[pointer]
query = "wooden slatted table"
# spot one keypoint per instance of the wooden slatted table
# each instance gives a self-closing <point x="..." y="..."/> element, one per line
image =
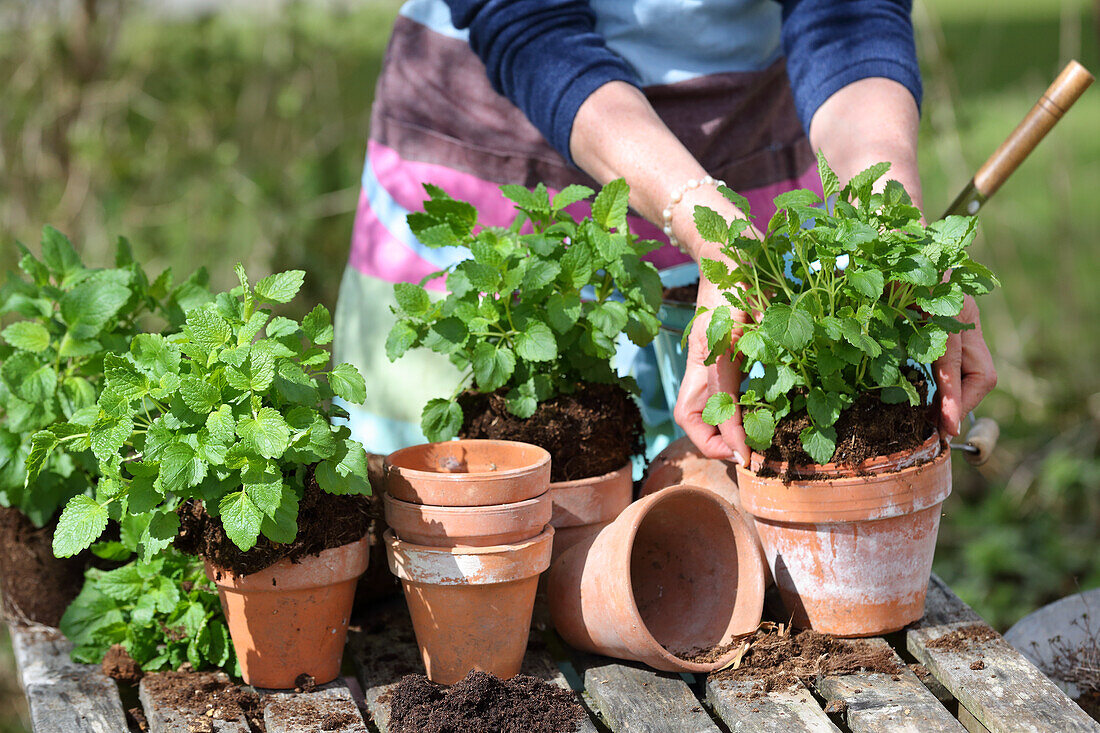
<point x="1003" y="693"/>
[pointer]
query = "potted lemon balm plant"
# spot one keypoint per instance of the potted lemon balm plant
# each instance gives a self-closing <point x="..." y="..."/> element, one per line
<point x="848" y="471"/>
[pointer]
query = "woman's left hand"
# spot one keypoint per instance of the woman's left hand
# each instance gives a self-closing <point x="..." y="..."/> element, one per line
<point x="965" y="373"/>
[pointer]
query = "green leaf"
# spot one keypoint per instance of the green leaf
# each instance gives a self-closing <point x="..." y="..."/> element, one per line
<point x="563" y="310"/>
<point x="720" y="407"/>
<point x="267" y="432"/>
<point x="207" y="329"/>
<point x="916" y="269"/>
<point x="854" y="335"/>
<point x="441" y="419"/>
<point x="610" y="317"/>
<point x="87" y="307"/>
<point x="736" y="199"/>
<point x="570" y="195"/>
<point x="38" y="386"/>
<point x="317" y="325"/>
<point x="42" y="443"/>
<point x="241" y="519"/>
<point x="282" y="525"/>
<point x="411" y="298"/>
<point x="81" y="523"/>
<point x="610" y="205"/>
<point x="109" y="434"/>
<point x="28" y="336"/>
<point x="539" y="274"/>
<point x="927" y="344"/>
<point x="829" y="182"/>
<point x="752" y="345"/>
<point x="280" y="287"/>
<point x="860" y="184"/>
<point x="819" y="442"/>
<point x="824" y="407"/>
<point x="711" y="225"/>
<point x="867" y="282"/>
<point x="221" y="424"/>
<point x="198" y="394"/>
<point x="759" y="427"/>
<point x="946" y="299"/>
<point x="536" y="342"/>
<point x="346" y="472"/>
<point x="400" y="339"/>
<point x="180" y="467"/>
<point x="154" y="354"/>
<point x="537" y="200"/>
<point x="58" y="252"/>
<point x="348" y="383"/>
<point x="493" y="366"/>
<point x="787" y="326"/>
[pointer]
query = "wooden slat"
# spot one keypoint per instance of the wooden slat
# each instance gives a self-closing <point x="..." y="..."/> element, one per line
<point x="386" y="651"/>
<point x="1008" y="694"/>
<point x="639" y="700"/>
<point x="63" y="695"/>
<point x="164" y="717"/>
<point x="882" y="703"/>
<point x="328" y="708"/>
<point x="745" y="709"/>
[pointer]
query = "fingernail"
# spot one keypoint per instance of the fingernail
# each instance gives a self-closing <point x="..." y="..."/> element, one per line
<point x="738" y="459"/>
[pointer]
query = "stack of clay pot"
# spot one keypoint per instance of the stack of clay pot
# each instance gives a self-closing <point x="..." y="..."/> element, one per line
<point x="469" y="536"/>
<point x="583" y="507"/>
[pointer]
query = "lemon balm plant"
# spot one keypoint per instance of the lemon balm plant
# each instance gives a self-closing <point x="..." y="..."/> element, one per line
<point x="849" y="293"/>
<point x="531" y="313"/>
<point x="233" y="411"/>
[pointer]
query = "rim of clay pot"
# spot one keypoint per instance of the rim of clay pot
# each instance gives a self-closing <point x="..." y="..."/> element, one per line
<point x="926" y="451"/>
<point x="424" y="474"/>
<point x="468" y="565"/>
<point x="328" y="567"/>
<point x="754" y="574"/>
<point x="586" y="501"/>
<point x="467" y="524"/>
<point x="878" y="495"/>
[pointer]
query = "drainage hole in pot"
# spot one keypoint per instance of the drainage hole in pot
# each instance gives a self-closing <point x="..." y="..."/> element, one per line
<point x="684" y="571"/>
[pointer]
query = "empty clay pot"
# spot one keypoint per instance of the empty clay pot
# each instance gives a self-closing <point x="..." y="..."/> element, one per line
<point x="682" y="463"/>
<point x="466" y="526"/>
<point x="585" y="506"/>
<point x="467" y="473"/>
<point x="470" y="606"/>
<point x="852" y="554"/>
<point x="677" y="572"/>
<point x="292" y="618"/>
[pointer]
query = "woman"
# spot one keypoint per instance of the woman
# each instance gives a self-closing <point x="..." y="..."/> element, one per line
<point x="672" y="95"/>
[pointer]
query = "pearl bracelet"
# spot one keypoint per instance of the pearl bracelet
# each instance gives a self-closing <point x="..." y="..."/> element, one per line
<point x="666" y="215"/>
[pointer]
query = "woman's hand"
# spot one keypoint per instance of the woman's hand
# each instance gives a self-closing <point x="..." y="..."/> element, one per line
<point x="965" y="373"/>
<point x="727" y="441"/>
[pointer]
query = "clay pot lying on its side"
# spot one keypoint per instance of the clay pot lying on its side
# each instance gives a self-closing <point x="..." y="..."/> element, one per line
<point x="468" y="526"/>
<point x="852" y="553"/>
<point x="682" y="463"/>
<point x="467" y="473"/>
<point x="585" y="506"/>
<point x="292" y="618"/>
<point x="677" y="572"/>
<point x="470" y="606"/>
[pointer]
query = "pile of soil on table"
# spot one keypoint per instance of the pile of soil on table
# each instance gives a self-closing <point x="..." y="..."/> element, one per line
<point x="964" y="639"/>
<point x="593" y="431"/>
<point x="683" y="293"/>
<point x="325" y="521"/>
<point x="37" y="587"/>
<point x="119" y="665"/>
<point x="867" y="429"/>
<point x="482" y="702"/>
<point x="777" y="658"/>
<point x="205" y="697"/>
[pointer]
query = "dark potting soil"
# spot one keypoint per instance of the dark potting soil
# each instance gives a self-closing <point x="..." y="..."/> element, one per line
<point x="482" y="702"/>
<point x="37" y="587"/>
<point x="119" y="665"/>
<point x="325" y="521"/>
<point x="205" y="696"/>
<point x="590" y="432"/>
<point x="867" y="429"/>
<point x="1090" y="703"/>
<point x="683" y="293"/>
<point x="708" y="655"/>
<point x="964" y="639"/>
<point x="777" y="658"/>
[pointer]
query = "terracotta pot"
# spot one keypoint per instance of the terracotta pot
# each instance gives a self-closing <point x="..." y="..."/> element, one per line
<point x="467" y="473"/>
<point x="682" y="463"/>
<point x="585" y="506"/>
<point x="462" y="526"/>
<point x="292" y="617"/>
<point x="676" y="572"/>
<point x="852" y="554"/>
<point x="470" y="606"/>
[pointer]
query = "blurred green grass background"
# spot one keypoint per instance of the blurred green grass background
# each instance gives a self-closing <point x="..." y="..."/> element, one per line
<point x="213" y="138"/>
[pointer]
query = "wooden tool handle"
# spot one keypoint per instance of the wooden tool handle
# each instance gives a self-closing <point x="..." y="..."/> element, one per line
<point x="1061" y="95"/>
<point x="982" y="436"/>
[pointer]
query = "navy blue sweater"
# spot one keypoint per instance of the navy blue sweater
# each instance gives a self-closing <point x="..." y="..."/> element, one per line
<point x="546" y="56"/>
